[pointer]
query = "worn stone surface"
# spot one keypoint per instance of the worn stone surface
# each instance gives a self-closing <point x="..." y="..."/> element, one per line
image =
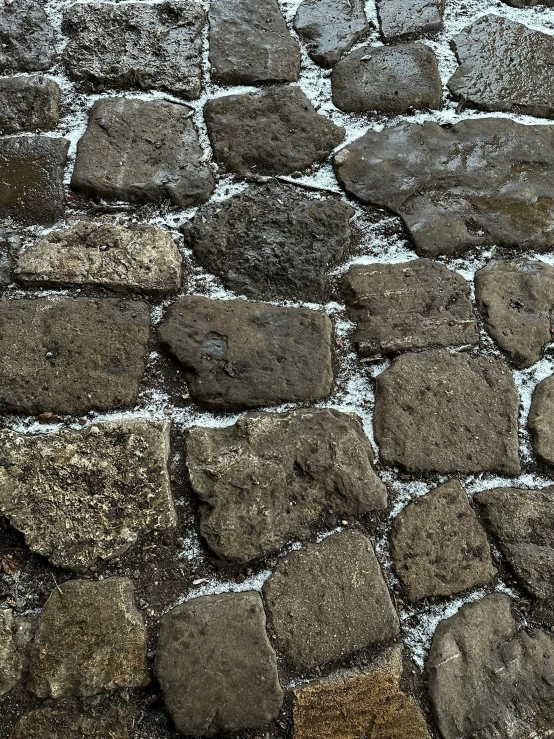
<point x="529" y="3"/>
<point x="388" y="79"/>
<point x="264" y="480"/>
<point x="408" y="305"/>
<point x="318" y="623"/>
<point x="401" y="20"/>
<point x="31" y="179"/>
<point x="274" y="131"/>
<point x="16" y="634"/>
<point x="65" y="719"/>
<point x="482" y="182"/>
<point x="488" y="681"/>
<point x="142" y="151"/>
<point x="270" y="243"/>
<point x="215" y="664"/>
<point x="10" y="244"/>
<point x="330" y="28"/>
<point x="250" y="43"/>
<point x="27" y="40"/>
<point x="239" y="355"/>
<point x="437" y="546"/>
<point x="516" y="299"/>
<point x="541" y="420"/>
<point x="468" y="406"/>
<point x="504" y="65"/>
<point x="71" y="355"/>
<point x="28" y="104"/>
<point x="142" y="259"/>
<point x="90" y="638"/>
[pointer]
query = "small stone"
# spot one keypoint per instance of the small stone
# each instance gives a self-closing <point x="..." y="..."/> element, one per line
<point x="90" y="638"/>
<point x="400" y="20"/>
<point x="328" y="600"/>
<point x="27" y="40"/>
<point x="468" y="406"/>
<point x="215" y="664"/>
<point x="28" y="104"/>
<point x="142" y="151"/>
<point x="330" y="28"/>
<point x="47" y="418"/>
<point x="541" y="420"/>
<point x="387" y="79"/>
<point x="64" y="719"/>
<point x="274" y="131"/>
<point x="10" y="244"/>
<point x="16" y="634"/>
<point x="238" y="355"/>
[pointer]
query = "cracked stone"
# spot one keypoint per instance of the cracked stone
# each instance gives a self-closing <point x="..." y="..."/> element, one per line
<point x="70" y="721"/>
<point x="16" y="634"/>
<point x="28" y="104"/>
<point x="541" y="420"/>
<point x="27" y="40"/>
<point x="330" y="28"/>
<point x="400" y="20"/>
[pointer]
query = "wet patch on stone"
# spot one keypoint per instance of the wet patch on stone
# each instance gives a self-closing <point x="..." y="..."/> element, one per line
<point x="27" y="40"/>
<point x="330" y="28"/>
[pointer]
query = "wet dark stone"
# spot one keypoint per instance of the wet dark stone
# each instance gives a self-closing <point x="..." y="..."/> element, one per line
<point x="27" y="40"/>
<point x="70" y="721"/>
<point x="28" y="104"/>
<point x="330" y="28"/>
<point x="401" y="20"/>
<point x="10" y="245"/>
<point x="529" y="3"/>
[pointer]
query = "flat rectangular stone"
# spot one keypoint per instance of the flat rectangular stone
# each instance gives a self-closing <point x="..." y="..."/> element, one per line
<point x="28" y="104"/>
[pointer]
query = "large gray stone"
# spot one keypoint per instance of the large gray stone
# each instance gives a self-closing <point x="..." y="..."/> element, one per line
<point x="401" y="20"/>
<point x="16" y="633"/>
<point x="28" y="104"/>
<point x="65" y="720"/>
<point x="541" y="420"/>
<point x="27" y="40"/>
<point x="330" y="27"/>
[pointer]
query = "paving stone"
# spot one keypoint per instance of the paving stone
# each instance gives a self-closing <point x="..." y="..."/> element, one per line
<point x="437" y="546"/>
<point x="215" y="664"/>
<point x="486" y="680"/>
<point x="136" y="46"/>
<point x="10" y="244"/>
<point x="239" y="355"/>
<point x="265" y="480"/>
<point x="86" y="495"/>
<point x="16" y="634"/>
<point x="521" y="521"/>
<point x="408" y="305"/>
<point x="274" y="131"/>
<point x="64" y="719"/>
<point x="330" y="28"/>
<point x="468" y="406"/>
<point x="27" y="40"/>
<point x="541" y="420"/>
<point x="250" y="43"/>
<point x="529" y="3"/>
<point x="142" y="151"/>
<point x="28" y="104"/>
<point x="270" y="243"/>
<point x="328" y="600"/>
<point x="481" y="182"/>
<point x="142" y="259"/>
<point x="31" y="179"/>
<point x="71" y="355"/>
<point x="504" y="65"/>
<point x="388" y="79"/>
<point x="401" y="20"/>
<point x="516" y="299"/>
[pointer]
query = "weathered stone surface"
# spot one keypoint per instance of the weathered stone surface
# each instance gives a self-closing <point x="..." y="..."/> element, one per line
<point x="516" y="300"/>
<point x="486" y="681"/>
<point x="86" y="495"/>
<point x="28" y="104"/>
<point x="330" y="27"/>
<point x="31" y="179"/>
<point x="468" y="407"/>
<point x="250" y="43"/>
<point x="90" y="638"/>
<point x="215" y="664"/>
<point x="541" y="420"/>
<point x="64" y="719"/>
<point x="482" y="182"/>
<point x="10" y="244"/>
<point x="408" y="305"/>
<point x="142" y="151"/>
<point x="136" y="45"/>
<point x="329" y="599"/>
<point x="529" y="3"/>
<point x="15" y="639"/>
<point x="270" y="243"/>
<point x="388" y="79"/>
<point x="437" y="546"/>
<point x="239" y="355"/>
<point x="264" y="480"/>
<point x="400" y="19"/>
<point x="26" y="37"/>
<point x="141" y="258"/>
<point x="504" y="65"/>
<point x="274" y="131"/>
<point x="69" y="355"/>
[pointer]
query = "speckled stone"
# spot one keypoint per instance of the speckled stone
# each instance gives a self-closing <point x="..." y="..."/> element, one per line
<point x="28" y="104"/>
<point x="403" y="19"/>
<point x="330" y="28"/>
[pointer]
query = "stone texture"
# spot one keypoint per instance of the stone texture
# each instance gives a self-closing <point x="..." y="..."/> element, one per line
<point x="10" y="244"/>
<point x="400" y="19"/>
<point x="142" y="151"/>
<point x="16" y="634"/>
<point x="71" y="355"/>
<point x="90" y="638"/>
<point x="136" y="46"/>
<point x="541" y="420"/>
<point x="274" y="131"/>
<point x="270" y="243"/>
<point x="408" y="305"/>
<point x="529" y="3"/>
<point x="330" y="27"/>
<point x="486" y="681"/>
<point x="504" y="65"/>
<point x="64" y="720"/>
<point x="31" y="179"/>
<point x="250" y="43"/>
<point x="142" y="259"/>
<point x="516" y="299"/>
<point x="437" y="546"/>
<point x="28" y="104"/>
<point x="264" y="480"/>
<point x="26" y="37"/>
<point x="467" y="405"/>
<point x="215" y="664"/>
<point x="481" y="182"/>
<point x="328" y="600"/>
<point x="86" y="495"/>
<point x="387" y="79"/>
<point x="239" y="355"/>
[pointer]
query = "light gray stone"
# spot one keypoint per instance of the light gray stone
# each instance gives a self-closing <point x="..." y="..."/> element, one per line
<point x="400" y="19"/>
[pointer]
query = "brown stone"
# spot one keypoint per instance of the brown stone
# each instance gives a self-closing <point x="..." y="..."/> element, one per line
<point x="541" y="420"/>
<point x="66" y="720"/>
